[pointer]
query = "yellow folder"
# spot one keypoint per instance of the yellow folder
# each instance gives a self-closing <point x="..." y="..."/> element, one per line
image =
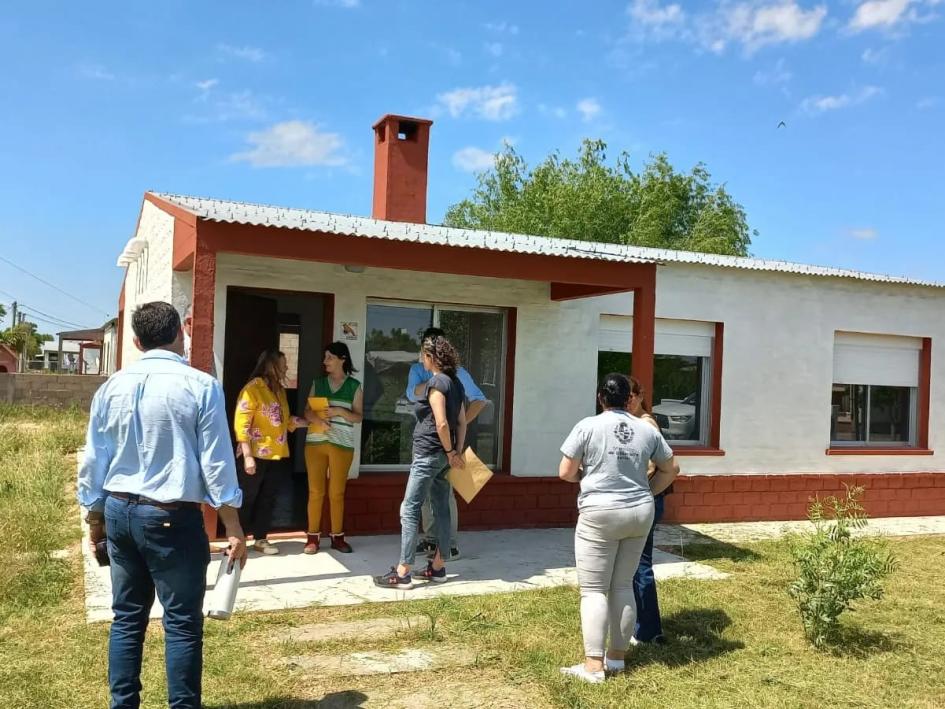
<point x="318" y="404"/>
<point x="469" y="480"/>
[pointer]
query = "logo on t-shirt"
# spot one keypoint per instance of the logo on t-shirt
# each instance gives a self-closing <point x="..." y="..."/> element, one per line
<point x="623" y="432"/>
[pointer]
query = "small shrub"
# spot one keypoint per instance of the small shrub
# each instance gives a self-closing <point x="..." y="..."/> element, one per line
<point x="836" y="568"/>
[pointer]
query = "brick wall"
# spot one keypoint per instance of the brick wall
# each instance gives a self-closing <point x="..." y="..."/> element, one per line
<point x="49" y="389"/>
<point x="372" y="504"/>
<point x="373" y="501"/>
<point x="739" y="498"/>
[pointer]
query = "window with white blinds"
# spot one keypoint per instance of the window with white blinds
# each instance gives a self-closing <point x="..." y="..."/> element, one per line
<point x="875" y="390"/>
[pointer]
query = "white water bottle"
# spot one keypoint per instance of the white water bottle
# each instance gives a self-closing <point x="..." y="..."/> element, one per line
<point x="224" y="591"/>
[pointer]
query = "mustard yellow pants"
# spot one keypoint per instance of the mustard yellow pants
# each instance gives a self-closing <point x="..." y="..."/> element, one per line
<point x="327" y="466"/>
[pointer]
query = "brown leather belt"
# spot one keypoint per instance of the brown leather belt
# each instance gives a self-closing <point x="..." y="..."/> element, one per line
<point x="141" y="500"/>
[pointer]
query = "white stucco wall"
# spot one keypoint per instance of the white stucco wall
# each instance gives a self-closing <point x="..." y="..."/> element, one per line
<point x="777" y="370"/>
<point x="778" y="360"/>
<point x="151" y="276"/>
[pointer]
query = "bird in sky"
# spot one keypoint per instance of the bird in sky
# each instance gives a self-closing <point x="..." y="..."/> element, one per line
<point x="782" y="124"/>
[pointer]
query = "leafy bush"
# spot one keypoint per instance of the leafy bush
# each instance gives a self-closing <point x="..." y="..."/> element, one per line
<point x="835" y="567"/>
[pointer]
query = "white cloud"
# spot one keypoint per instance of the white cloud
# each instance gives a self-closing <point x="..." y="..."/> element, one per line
<point x="755" y="26"/>
<point x="492" y="103"/>
<point x="814" y="105"/>
<point x="293" y="144"/>
<point x="878" y="13"/>
<point x="589" y="108"/>
<point x="651" y="13"/>
<point x="346" y="4"/>
<point x="866" y="234"/>
<point x="472" y="159"/>
<point x="95" y="72"/>
<point x="207" y="84"/>
<point x="777" y="76"/>
<point x="247" y="53"/>
<point x="502" y="27"/>
<point x="556" y="111"/>
<point x="494" y="49"/>
<point x="752" y="24"/>
<point x="891" y="15"/>
<point x="875" y="56"/>
<point x="927" y="102"/>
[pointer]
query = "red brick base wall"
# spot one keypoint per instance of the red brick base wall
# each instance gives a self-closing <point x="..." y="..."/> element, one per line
<point x="741" y="498"/>
<point x="372" y="502"/>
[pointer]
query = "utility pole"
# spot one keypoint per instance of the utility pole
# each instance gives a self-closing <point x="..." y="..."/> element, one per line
<point x="13" y="319"/>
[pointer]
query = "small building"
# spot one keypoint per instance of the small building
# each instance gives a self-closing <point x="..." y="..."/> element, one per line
<point x="48" y="358"/>
<point x="772" y="381"/>
<point x="9" y="359"/>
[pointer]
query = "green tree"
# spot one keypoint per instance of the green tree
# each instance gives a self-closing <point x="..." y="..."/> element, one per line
<point x="588" y="199"/>
<point x="24" y="338"/>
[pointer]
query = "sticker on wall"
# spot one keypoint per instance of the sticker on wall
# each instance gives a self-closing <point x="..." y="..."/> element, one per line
<point x="349" y="331"/>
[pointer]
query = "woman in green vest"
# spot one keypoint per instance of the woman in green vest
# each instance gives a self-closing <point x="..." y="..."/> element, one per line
<point x="329" y="452"/>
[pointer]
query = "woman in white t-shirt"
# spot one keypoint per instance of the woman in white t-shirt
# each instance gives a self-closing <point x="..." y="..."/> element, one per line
<point x="608" y="455"/>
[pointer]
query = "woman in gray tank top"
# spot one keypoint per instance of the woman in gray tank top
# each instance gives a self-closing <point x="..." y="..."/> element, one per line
<point x="608" y="456"/>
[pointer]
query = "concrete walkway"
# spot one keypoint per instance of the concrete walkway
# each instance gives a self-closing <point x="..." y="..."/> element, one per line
<point x="493" y="562"/>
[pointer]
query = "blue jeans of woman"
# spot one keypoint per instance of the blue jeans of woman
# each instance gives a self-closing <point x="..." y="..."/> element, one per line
<point x="648" y="624"/>
<point x="167" y="552"/>
<point x="427" y="477"/>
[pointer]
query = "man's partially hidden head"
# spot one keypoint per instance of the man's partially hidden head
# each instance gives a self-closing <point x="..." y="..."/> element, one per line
<point x="157" y="326"/>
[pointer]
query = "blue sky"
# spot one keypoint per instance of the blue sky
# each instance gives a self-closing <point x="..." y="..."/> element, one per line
<point x="274" y="102"/>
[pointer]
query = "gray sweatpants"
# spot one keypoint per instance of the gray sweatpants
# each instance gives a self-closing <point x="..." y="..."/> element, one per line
<point x="607" y="548"/>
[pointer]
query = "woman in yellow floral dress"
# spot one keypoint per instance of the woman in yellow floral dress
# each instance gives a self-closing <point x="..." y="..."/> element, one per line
<point x="262" y="423"/>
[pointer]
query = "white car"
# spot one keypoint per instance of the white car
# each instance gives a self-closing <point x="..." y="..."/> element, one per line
<point x="677" y="418"/>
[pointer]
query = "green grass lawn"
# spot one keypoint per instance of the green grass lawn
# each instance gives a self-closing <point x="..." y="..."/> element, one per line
<point x="734" y="643"/>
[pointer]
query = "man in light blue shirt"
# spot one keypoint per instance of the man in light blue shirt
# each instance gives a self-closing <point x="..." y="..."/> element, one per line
<point x="158" y="447"/>
<point x="475" y="402"/>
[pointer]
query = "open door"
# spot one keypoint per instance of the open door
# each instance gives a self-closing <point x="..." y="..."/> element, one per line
<point x="252" y="325"/>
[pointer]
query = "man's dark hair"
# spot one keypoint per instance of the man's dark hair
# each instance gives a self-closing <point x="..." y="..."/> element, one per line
<point x="431" y="333"/>
<point x="155" y="324"/>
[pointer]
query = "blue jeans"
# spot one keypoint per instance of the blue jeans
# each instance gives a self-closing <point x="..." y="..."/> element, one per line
<point x="427" y="477"/>
<point x="644" y="587"/>
<point x="164" y="551"/>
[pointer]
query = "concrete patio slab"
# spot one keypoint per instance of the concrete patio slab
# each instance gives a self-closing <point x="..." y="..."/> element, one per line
<point x="493" y="562"/>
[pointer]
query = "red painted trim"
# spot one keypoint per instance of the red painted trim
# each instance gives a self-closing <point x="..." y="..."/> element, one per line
<point x="273" y="242"/>
<point x="715" y="429"/>
<point x="644" y="332"/>
<point x="694" y="451"/>
<point x="871" y="450"/>
<point x="573" y="291"/>
<point x="185" y="245"/>
<point x="925" y="391"/>
<point x="184" y="215"/>
<point x="511" y="327"/>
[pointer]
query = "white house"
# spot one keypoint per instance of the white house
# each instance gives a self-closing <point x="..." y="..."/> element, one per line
<point x="773" y="381"/>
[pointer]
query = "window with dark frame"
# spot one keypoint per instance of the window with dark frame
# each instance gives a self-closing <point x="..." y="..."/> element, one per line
<point x="392" y="346"/>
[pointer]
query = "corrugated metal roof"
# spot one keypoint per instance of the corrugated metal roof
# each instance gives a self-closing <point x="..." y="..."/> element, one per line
<point x="342" y="224"/>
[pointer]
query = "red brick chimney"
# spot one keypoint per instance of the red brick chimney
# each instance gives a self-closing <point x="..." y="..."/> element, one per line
<point x="401" y="147"/>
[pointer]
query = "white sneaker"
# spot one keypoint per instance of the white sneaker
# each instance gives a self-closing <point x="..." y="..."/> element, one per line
<point x="263" y="546"/>
<point x="581" y="673"/>
<point x="614" y="665"/>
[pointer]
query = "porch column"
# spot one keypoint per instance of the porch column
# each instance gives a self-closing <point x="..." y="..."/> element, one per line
<point x="202" y="302"/>
<point x="201" y="342"/>
<point x="644" y="326"/>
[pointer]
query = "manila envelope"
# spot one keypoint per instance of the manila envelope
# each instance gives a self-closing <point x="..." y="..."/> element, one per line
<point x="472" y="478"/>
<point x="317" y="404"/>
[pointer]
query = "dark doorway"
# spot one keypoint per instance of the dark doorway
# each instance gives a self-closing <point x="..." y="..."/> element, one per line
<point x="299" y="325"/>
